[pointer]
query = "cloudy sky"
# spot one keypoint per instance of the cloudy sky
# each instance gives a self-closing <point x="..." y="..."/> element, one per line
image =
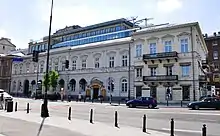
<point x="22" y="20"/>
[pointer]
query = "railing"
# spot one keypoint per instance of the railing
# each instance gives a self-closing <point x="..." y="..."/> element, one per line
<point x="160" y="78"/>
<point x="160" y="55"/>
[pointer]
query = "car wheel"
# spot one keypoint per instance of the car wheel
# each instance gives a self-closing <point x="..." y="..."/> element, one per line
<point x="131" y="106"/>
<point x="150" y="106"/>
<point x="196" y="107"/>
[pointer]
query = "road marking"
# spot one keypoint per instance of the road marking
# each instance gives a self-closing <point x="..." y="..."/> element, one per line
<point x="193" y="113"/>
<point x="183" y="130"/>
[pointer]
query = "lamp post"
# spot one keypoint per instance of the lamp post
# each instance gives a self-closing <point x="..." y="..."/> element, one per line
<point x="44" y="107"/>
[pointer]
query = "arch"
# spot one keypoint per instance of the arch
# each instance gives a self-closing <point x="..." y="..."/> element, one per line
<point x="72" y="84"/>
<point x="26" y="87"/>
<point x="82" y="84"/>
<point x="61" y="83"/>
<point x="124" y="85"/>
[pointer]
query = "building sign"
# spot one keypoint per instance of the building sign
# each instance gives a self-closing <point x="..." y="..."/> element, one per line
<point x="160" y="78"/>
<point x="17" y="59"/>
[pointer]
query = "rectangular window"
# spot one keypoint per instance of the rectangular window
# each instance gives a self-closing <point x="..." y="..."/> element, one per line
<point x="83" y="64"/>
<point x="185" y="70"/>
<point x="63" y="66"/>
<point x="111" y="62"/>
<point x="96" y="62"/>
<point x="215" y="55"/>
<point x="153" y="48"/>
<point x="139" y="72"/>
<point x="169" y="70"/>
<point x="138" y="50"/>
<point x="74" y="65"/>
<point x="184" y="45"/>
<point x="20" y="69"/>
<point x="124" y="60"/>
<point x="214" y="43"/>
<point x="168" y="46"/>
<point x="153" y="71"/>
<point x="28" y="68"/>
<point x="41" y="68"/>
<point x="56" y="67"/>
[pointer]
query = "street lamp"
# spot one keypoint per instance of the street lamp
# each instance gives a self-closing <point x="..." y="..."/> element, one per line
<point x="44" y="107"/>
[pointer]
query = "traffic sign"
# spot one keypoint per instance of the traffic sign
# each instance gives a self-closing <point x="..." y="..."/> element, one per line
<point x="17" y="59"/>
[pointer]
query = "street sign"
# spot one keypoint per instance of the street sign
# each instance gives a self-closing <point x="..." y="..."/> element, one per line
<point x="17" y="59"/>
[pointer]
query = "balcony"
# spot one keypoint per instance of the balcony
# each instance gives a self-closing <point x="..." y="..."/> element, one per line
<point x="161" y="78"/>
<point x="163" y="55"/>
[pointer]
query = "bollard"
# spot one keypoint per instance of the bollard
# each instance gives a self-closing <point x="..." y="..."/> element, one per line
<point x="101" y="100"/>
<point x="91" y="115"/>
<point x="172" y="127"/>
<point x="204" y="130"/>
<point x="92" y="100"/>
<point x="27" y="107"/>
<point x="16" y="106"/>
<point x="167" y="103"/>
<point x="69" y="116"/>
<point x="116" y="119"/>
<point x="181" y="103"/>
<point x="144" y="123"/>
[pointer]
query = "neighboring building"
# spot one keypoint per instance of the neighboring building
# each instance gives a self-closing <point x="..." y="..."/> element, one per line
<point x="100" y="53"/>
<point x="168" y="62"/>
<point x="213" y="45"/>
<point x="6" y="45"/>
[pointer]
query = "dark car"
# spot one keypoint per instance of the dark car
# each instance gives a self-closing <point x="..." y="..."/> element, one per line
<point x="207" y="102"/>
<point x="142" y="101"/>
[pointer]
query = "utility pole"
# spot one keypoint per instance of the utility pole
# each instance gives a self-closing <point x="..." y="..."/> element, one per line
<point x="44" y="108"/>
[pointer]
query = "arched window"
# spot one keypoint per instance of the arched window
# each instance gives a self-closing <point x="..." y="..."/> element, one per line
<point x="124" y="85"/>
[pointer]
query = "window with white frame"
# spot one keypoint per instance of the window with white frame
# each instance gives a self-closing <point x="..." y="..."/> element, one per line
<point x="169" y="70"/>
<point x="56" y="66"/>
<point x="185" y="70"/>
<point x="138" y="50"/>
<point x="35" y="68"/>
<point x="111" y="61"/>
<point x="139" y="72"/>
<point x="83" y="63"/>
<point x="153" y="48"/>
<point x="15" y="69"/>
<point x="74" y="65"/>
<point x="63" y="66"/>
<point x="20" y="69"/>
<point x="124" y="60"/>
<point x="168" y="46"/>
<point x="42" y="68"/>
<point x="96" y="62"/>
<point x="28" y="67"/>
<point x="124" y="85"/>
<point x="153" y="71"/>
<point x="184" y="45"/>
<point x="215" y="55"/>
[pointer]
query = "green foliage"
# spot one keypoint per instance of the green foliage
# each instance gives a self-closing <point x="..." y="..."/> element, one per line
<point x="52" y="79"/>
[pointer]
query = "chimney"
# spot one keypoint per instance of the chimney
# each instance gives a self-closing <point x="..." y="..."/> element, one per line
<point x="214" y="33"/>
<point x="206" y="35"/>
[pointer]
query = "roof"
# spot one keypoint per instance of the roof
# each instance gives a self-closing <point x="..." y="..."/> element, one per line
<point x="8" y="40"/>
<point x="117" y="21"/>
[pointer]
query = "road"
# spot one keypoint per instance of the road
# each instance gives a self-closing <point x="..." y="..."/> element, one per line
<point x="187" y="122"/>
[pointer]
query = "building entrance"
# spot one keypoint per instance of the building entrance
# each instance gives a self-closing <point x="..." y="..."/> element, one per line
<point x="95" y="92"/>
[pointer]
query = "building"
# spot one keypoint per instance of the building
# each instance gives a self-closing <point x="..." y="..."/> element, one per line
<point x="5" y="63"/>
<point x="99" y="54"/>
<point x="168" y="62"/>
<point x="213" y="45"/>
<point x="6" y="45"/>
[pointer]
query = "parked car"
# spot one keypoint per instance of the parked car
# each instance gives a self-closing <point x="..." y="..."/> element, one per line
<point x="207" y="102"/>
<point x="149" y="102"/>
<point x="6" y="96"/>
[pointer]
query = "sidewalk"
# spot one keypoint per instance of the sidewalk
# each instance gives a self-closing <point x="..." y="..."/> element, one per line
<point x="82" y="127"/>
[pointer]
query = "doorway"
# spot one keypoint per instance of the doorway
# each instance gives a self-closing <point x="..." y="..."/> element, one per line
<point x="26" y="88"/>
<point x="95" y="93"/>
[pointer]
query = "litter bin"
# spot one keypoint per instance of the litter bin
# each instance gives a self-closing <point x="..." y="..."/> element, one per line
<point x="9" y="106"/>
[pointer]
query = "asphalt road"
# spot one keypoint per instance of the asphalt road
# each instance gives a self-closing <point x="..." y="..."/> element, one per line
<point x="187" y="122"/>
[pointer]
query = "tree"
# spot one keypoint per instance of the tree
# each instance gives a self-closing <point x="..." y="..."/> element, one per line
<point x="53" y="79"/>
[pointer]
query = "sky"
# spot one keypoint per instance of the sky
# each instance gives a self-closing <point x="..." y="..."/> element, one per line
<point x="23" y="20"/>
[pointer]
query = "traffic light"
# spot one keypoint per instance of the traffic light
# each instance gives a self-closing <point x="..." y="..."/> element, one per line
<point x="67" y="63"/>
<point x="112" y="86"/>
<point x="35" y="56"/>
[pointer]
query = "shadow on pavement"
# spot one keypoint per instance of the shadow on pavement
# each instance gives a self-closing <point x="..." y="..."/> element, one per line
<point x="41" y="126"/>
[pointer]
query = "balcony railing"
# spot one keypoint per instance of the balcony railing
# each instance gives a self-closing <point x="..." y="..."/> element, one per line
<point x="160" y="78"/>
<point x="160" y="55"/>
